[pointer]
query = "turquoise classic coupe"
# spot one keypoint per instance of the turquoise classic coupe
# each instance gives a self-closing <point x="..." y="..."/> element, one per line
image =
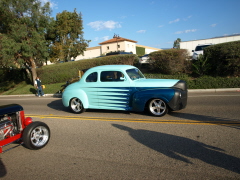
<point x="124" y="87"/>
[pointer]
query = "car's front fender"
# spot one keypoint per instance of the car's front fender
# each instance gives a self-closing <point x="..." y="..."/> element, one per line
<point x="140" y="98"/>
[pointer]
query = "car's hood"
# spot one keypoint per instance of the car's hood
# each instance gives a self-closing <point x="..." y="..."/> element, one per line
<point x="155" y="82"/>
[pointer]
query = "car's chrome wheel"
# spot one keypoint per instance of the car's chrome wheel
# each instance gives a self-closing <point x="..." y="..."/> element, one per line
<point x="157" y="107"/>
<point x="36" y="135"/>
<point x="76" y="105"/>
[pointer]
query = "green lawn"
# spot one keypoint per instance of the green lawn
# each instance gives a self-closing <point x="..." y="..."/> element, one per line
<point x="24" y="88"/>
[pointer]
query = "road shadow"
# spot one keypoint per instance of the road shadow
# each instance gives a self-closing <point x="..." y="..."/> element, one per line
<point x="57" y="105"/>
<point x="233" y="123"/>
<point x="3" y="170"/>
<point x="103" y="111"/>
<point x="181" y="148"/>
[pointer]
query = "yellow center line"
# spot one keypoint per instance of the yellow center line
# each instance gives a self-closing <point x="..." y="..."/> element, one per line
<point x="163" y="121"/>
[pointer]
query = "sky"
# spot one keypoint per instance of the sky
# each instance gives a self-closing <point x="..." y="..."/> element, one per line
<point x="153" y="23"/>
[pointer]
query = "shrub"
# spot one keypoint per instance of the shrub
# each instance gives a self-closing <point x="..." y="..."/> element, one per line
<point x="224" y="59"/>
<point x="209" y="82"/>
<point x="10" y="74"/>
<point x="203" y="82"/>
<point x="201" y="66"/>
<point x="170" y="61"/>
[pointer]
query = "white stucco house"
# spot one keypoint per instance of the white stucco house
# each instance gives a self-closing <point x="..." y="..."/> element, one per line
<point x="91" y="52"/>
<point x="115" y="44"/>
<point x="148" y="49"/>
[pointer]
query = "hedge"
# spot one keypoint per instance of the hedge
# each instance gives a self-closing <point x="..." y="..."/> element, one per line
<point x="224" y="59"/>
<point x="204" y="82"/>
<point x="170" y="61"/>
<point x="65" y="71"/>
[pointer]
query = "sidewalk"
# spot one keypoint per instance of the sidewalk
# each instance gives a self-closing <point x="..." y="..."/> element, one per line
<point x="58" y="95"/>
<point x="215" y="90"/>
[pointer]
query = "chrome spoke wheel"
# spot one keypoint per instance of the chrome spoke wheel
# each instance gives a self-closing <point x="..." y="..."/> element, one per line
<point x="157" y="107"/>
<point x="36" y="135"/>
<point x="39" y="136"/>
<point x="76" y="105"/>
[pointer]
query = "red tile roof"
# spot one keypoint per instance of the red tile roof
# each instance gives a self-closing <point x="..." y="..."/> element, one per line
<point x="118" y="39"/>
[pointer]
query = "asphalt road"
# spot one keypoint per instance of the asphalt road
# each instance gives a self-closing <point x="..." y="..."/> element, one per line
<point x="199" y="142"/>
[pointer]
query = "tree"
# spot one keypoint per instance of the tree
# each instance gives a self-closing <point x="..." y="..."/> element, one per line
<point x="140" y="51"/>
<point x="23" y="27"/>
<point x="176" y="44"/>
<point x="69" y="41"/>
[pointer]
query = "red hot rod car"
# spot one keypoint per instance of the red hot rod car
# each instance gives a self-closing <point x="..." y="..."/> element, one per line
<point x="15" y="127"/>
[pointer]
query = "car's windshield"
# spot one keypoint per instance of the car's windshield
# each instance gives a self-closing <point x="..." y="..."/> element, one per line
<point x="135" y="74"/>
<point x="199" y="48"/>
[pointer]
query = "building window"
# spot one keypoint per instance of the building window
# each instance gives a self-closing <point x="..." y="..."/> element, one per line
<point x="107" y="47"/>
<point x="118" y="46"/>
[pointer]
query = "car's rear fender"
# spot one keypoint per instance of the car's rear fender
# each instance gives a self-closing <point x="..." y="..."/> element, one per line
<point x="140" y="98"/>
<point x="70" y="94"/>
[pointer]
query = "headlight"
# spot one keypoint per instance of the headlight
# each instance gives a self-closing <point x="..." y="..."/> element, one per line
<point x="28" y="121"/>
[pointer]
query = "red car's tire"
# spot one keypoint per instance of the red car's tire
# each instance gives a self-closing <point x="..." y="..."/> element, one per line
<point x="36" y="135"/>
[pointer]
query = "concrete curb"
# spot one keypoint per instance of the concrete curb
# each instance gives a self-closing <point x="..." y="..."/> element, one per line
<point x="25" y="95"/>
<point x="58" y="95"/>
<point x="215" y="90"/>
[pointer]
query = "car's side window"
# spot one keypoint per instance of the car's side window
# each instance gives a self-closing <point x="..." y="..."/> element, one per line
<point x="92" y="77"/>
<point x="111" y="76"/>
